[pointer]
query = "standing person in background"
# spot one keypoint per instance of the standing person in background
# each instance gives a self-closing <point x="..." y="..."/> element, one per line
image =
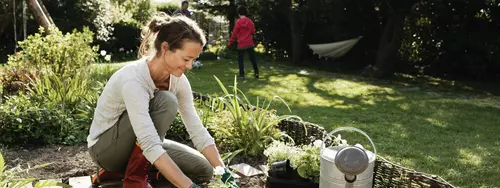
<point x="243" y="31"/>
<point x="184" y="9"/>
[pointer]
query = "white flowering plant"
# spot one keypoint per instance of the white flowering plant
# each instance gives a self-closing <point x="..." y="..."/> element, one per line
<point x="304" y="159"/>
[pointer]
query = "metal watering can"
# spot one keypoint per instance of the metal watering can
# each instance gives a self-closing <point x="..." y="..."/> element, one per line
<point x="346" y="166"/>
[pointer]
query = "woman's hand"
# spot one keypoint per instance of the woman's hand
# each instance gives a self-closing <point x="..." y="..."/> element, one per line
<point x="171" y="171"/>
<point x="228" y="179"/>
<point x="213" y="156"/>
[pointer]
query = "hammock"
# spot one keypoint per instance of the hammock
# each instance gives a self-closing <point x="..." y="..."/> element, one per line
<point x="335" y="49"/>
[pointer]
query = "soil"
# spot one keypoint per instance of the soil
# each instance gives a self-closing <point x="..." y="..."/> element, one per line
<point x="74" y="161"/>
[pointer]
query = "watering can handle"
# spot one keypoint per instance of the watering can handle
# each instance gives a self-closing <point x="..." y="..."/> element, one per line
<point x="329" y="135"/>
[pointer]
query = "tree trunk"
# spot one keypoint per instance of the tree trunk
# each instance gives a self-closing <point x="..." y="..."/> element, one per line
<point x="39" y="15"/>
<point x="390" y="41"/>
<point x="231" y="15"/>
<point x="46" y="12"/>
<point x="296" y="32"/>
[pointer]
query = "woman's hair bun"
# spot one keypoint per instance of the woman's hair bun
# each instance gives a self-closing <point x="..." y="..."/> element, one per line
<point x="158" y="21"/>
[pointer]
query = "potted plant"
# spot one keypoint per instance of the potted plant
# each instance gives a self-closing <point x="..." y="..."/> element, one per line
<point x="293" y="166"/>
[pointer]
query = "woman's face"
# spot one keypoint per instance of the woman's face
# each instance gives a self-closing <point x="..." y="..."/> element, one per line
<point x="179" y="61"/>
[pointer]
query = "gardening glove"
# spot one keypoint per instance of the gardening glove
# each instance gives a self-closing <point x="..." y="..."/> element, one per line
<point x="228" y="179"/>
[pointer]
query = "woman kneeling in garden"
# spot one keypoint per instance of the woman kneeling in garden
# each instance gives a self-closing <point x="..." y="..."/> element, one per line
<point x="139" y="103"/>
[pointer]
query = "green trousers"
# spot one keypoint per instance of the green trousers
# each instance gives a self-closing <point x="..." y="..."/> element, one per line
<point x="113" y="149"/>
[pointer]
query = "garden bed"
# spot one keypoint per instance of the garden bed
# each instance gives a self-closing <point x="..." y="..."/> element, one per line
<point x="74" y="161"/>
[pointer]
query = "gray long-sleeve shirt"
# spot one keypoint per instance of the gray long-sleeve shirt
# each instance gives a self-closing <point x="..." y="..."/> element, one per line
<point x="131" y="88"/>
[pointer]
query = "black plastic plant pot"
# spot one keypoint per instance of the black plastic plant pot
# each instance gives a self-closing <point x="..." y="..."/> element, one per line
<point x="273" y="182"/>
<point x="281" y="166"/>
<point x="282" y="174"/>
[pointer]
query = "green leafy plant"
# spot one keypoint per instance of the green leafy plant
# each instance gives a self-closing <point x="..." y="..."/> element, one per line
<point x="65" y="92"/>
<point x="26" y="119"/>
<point x="178" y="131"/>
<point x="62" y="54"/>
<point x="57" y="100"/>
<point x="304" y="159"/>
<point x="208" y="107"/>
<point x="253" y="127"/>
<point x="307" y="163"/>
<point x="216" y="181"/>
<point x="10" y="177"/>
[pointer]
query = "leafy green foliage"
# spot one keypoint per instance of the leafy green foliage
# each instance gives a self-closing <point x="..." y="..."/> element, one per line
<point x="307" y="164"/>
<point x="62" y="54"/>
<point x="168" y="8"/>
<point x="177" y="131"/>
<point x="137" y="12"/>
<point x="34" y="119"/>
<point x="76" y="14"/>
<point x="252" y="128"/>
<point x="304" y="159"/>
<point x="56" y="106"/>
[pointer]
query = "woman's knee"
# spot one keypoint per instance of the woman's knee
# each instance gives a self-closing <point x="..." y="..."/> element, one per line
<point x="204" y="173"/>
<point x="164" y="100"/>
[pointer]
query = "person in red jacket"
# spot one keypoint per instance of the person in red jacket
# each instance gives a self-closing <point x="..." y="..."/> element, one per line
<point x="243" y="33"/>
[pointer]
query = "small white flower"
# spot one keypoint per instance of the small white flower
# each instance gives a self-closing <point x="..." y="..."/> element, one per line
<point x="343" y="142"/>
<point x="103" y="53"/>
<point x="107" y="58"/>
<point x="340" y="141"/>
<point x="303" y="72"/>
<point x="121" y="49"/>
<point x="219" y="170"/>
<point x="318" y="143"/>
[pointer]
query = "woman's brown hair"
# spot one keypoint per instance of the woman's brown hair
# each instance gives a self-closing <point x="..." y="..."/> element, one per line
<point x="171" y="29"/>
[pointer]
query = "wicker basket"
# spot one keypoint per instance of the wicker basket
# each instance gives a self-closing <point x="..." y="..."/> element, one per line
<point x="389" y="174"/>
<point x="386" y="173"/>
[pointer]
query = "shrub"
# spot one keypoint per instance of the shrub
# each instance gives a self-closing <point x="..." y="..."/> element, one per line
<point x="26" y="119"/>
<point x="57" y="105"/>
<point x="168" y="8"/>
<point x="14" y="80"/>
<point x="177" y="131"/>
<point x="251" y="127"/>
<point x="62" y="54"/>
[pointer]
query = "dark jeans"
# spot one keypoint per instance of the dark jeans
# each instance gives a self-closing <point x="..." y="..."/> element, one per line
<point x="241" y="54"/>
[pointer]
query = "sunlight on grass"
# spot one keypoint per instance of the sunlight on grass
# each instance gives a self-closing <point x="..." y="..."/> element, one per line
<point x="404" y="106"/>
<point x="435" y="122"/>
<point x="469" y="157"/>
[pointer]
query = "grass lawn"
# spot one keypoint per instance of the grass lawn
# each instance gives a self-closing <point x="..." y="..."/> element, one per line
<point x="432" y="126"/>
